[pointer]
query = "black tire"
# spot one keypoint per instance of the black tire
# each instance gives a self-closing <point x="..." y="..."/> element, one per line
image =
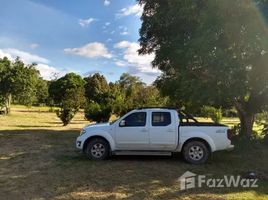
<point x="195" y="152"/>
<point x="97" y="149"/>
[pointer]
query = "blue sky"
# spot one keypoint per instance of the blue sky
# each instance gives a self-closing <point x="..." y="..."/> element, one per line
<point x="84" y="36"/>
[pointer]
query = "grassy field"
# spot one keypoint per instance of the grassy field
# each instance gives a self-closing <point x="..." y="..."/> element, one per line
<point x="38" y="160"/>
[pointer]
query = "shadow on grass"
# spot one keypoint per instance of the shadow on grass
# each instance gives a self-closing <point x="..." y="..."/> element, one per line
<point x="51" y="167"/>
<point x="34" y="111"/>
<point x="33" y="126"/>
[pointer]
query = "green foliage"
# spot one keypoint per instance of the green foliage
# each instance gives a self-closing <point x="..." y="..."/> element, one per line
<point x="98" y="112"/>
<point x="127" y="93"/>
<point x="206" y="58"/>
<point x="22" y="82"/>
<point x="95" y="86"/>
<point x="213" y="113"/>
<point x="42" y="92"/>
<point x="68" y="93"/>
<point x="71" y="92"/>
<point x="70" y="81"/>
<point x="137" y="94"/>
<point x="66" y="115"/>
<point x="262" y="119"/>
<point x="229" y="112"/>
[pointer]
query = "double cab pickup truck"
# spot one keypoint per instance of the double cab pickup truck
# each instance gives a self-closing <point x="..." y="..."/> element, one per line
<point x="155" y="131"/>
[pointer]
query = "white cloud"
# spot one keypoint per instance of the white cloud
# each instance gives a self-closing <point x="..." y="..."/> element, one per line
<point x="138" y="64"/>
<point x="120" y="63"/>
<point x="85" y="22"/>
<point x="4" y="54"/>
<point x="135" y="9"/>
<point x="107" y="2"/>
<point x="91" y="50"/>
<point x="106" y="24"/>
<point x="124" y="33"/>
<point x="25" y="56"/>
<point x="109" y="40"/>
<point x="122" y="45"/>
<point x="34" y="46"/>
<point x="49" y="72"/>
<point x="46" y="71"/>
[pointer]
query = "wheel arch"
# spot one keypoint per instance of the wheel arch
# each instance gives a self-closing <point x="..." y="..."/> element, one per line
<point x="208" y="145"/>
<point x="94" y="137"/>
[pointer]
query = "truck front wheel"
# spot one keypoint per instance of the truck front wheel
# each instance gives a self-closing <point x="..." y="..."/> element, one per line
<point x="195" y="152"/>
<point x="97" y="149"/>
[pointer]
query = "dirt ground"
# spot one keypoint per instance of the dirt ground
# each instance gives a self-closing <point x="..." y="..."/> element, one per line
<point x="38" y="160"/>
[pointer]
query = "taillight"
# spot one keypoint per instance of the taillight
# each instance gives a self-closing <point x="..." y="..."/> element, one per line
<point x="229" y="134"/>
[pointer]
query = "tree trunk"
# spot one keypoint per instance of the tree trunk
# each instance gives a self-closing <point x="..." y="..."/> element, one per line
<point x="247" y="124"/>
<point x="246" y="119"/>
<point x="8" y="103"/>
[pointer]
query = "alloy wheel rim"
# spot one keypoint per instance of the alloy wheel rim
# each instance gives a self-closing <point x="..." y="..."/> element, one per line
<point x="196" y="153"/>
<point x="97" y="150"/>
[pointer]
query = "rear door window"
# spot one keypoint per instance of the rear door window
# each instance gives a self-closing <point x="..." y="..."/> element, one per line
<point x="161" y="118"/>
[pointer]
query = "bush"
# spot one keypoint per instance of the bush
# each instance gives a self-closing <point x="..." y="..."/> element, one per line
<point x="98" y="113"/>
<point x="66" y="115"/>
<point x="229" y="112"/>
<point x="213" y="113"/>
<point x="262" y="119"/>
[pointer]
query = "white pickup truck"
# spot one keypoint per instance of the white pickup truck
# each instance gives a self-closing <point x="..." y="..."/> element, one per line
<point x="154" y="131"/>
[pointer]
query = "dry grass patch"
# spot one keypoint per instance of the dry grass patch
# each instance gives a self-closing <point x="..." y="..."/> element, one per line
<point x="39" y="161"/>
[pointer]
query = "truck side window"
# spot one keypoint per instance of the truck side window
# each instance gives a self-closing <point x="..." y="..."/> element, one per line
<point x="161" y="118"/>
<point x="136" y="119"/>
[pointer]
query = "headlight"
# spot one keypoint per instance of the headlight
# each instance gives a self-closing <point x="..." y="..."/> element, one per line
<point x="82" y="131"/>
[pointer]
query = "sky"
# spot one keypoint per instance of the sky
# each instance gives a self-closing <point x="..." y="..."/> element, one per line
<point x="81" y="36"/>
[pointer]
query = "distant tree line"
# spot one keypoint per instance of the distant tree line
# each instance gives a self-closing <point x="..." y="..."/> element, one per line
<point x="22" y="84"/>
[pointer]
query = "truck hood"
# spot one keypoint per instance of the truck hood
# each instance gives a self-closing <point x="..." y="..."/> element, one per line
<point x="98" y="126"/>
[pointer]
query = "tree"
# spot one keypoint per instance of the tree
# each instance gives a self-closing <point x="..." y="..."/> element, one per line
<point x="18" y="81"/>
<point x="137" y="94"/>
<point x="5" y="90"/>
<point x="42" y="91"/>
<point x="68" y="93"/>
<point x="129" y="85"/>
<point x="95" y="86"/>
<point x="24" y="80"/>
<point x="98" y="112"/>
<point x="211" y="53"/>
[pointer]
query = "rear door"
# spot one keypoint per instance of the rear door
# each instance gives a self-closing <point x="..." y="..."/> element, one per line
<point x="163" y="132"/>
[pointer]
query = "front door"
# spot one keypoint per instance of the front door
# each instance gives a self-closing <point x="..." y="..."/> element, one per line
<point x="132" y="132"/>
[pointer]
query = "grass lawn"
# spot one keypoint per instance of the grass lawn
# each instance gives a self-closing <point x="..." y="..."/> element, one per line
<point x="38" y="160"/>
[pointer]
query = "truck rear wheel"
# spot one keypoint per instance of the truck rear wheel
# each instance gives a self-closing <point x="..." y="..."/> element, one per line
<point x="97" y="149"/>
<point x="195" y="152"/>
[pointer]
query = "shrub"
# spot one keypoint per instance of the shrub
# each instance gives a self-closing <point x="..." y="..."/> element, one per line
<point x="98" y="113"/>
<point x="213" y="113"/>
<point x="66" y="115"/>
<point x="262" y="119"/>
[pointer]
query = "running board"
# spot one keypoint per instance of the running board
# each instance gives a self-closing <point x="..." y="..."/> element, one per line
<point x="143" y="153"/>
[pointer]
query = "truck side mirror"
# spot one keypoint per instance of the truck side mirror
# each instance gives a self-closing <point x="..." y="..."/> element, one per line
<point x="122" y="123"/>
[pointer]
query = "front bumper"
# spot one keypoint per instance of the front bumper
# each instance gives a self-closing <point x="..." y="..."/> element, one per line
<point x="79" y="143"/>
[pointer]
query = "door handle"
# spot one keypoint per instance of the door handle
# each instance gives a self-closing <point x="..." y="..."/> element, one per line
<point x="144" y="130"/>
<point x="170" y="130"/>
